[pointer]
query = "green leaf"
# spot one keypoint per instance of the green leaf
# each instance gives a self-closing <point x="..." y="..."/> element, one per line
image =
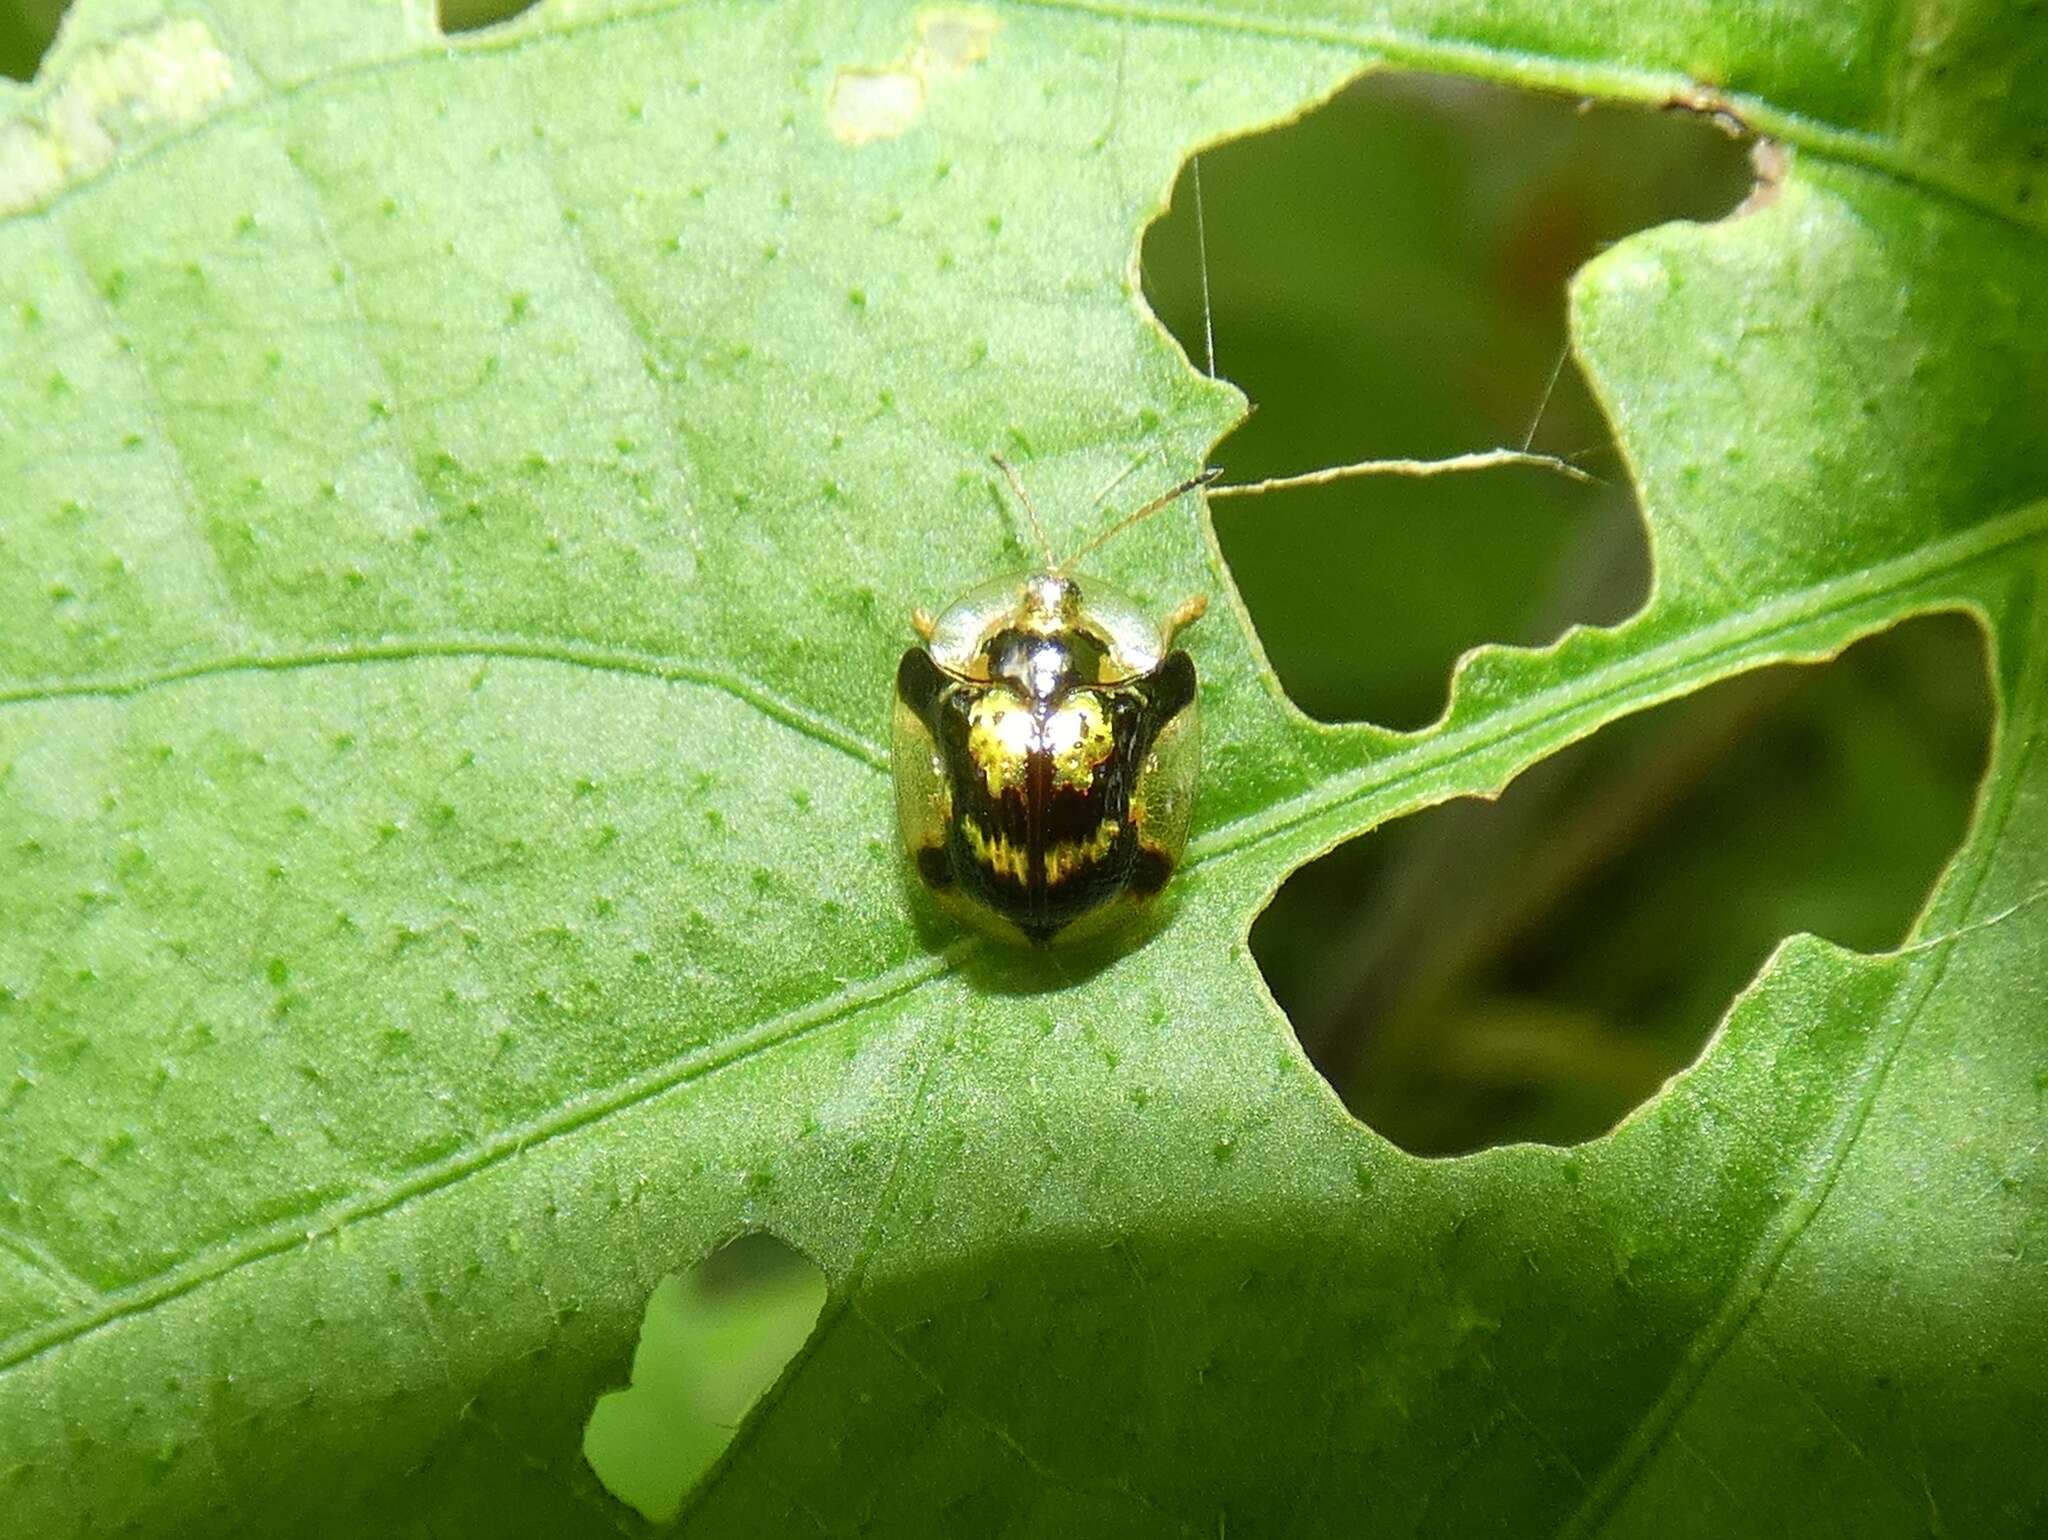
<point x="460" y="506"/>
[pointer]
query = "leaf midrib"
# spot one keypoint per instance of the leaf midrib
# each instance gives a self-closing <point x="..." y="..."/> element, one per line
<point x="1688" y="661"/>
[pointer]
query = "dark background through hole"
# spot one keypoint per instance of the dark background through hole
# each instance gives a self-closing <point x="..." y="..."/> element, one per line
<point x="1388" y="279"/>
<point x="27" y="26"/>
<point x="1534" y="968"/>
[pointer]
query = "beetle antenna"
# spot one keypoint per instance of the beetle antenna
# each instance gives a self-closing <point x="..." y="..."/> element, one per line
<point x="1031" y="513"/>
<point x="1164" y="500"/>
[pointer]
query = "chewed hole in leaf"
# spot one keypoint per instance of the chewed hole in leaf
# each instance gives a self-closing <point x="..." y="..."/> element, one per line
<point x="1533" y="968"/>
<point x="27" y="28"/>
<point x="1386" y="278"/>
<point x="469" y="15"/>
<point x="25" y="34"/>
<point x="711" y="1345"/>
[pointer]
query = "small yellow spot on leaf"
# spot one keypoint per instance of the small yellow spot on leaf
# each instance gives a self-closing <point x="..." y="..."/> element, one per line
<point x="952" y="42"/>
<point x="867" y="104"/>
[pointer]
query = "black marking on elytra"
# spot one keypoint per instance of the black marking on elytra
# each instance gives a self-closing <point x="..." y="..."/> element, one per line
<point x="1150" y="869"/>
<point x="1170" y="688"/>
<point x="1090" y="886"/>
<point x="918" y="683"/>
<point x="934" y="866"/>
<point x="1040" y="814"/>
<point x="1072" y="815"/>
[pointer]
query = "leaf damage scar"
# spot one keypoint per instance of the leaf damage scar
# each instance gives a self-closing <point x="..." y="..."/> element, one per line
<point x="868" y="104"/>
<point x="107" y="101"/>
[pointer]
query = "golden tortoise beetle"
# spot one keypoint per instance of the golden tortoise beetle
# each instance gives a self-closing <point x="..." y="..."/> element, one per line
<point x="1045" y="740"/>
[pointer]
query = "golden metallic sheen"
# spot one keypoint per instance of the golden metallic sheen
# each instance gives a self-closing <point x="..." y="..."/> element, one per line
<point x="1078" y="738"/>
<point x="1045" y="748"/>
<point x="1001" y="736"/>
<point x="1045" y="736"/>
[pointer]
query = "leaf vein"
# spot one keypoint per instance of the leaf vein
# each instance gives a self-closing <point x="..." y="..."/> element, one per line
<point x="425" y="504"/>
<point x="177" y="472"/>
<point x="1045" y="1474"/>
<point x="506" y="1144"/>
<point x="1639" y="680"/>
<point x="1403" y="49"/>
<point x="1776" y="1242"/>
<point x="1558" y="71"/>
<point x="837" y="1307"/>
<point x="661" y="666"/>
<point x="43" y="1263"/>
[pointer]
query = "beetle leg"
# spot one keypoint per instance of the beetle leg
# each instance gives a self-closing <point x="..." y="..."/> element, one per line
<point x="1185" y="614"/>
<point x="922" y="622"/>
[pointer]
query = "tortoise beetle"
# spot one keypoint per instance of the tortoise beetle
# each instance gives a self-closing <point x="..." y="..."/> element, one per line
<point x="1045" y="740"/>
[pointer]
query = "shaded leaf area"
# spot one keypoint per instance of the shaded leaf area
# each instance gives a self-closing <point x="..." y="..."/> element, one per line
<point x="460" y="510"/>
